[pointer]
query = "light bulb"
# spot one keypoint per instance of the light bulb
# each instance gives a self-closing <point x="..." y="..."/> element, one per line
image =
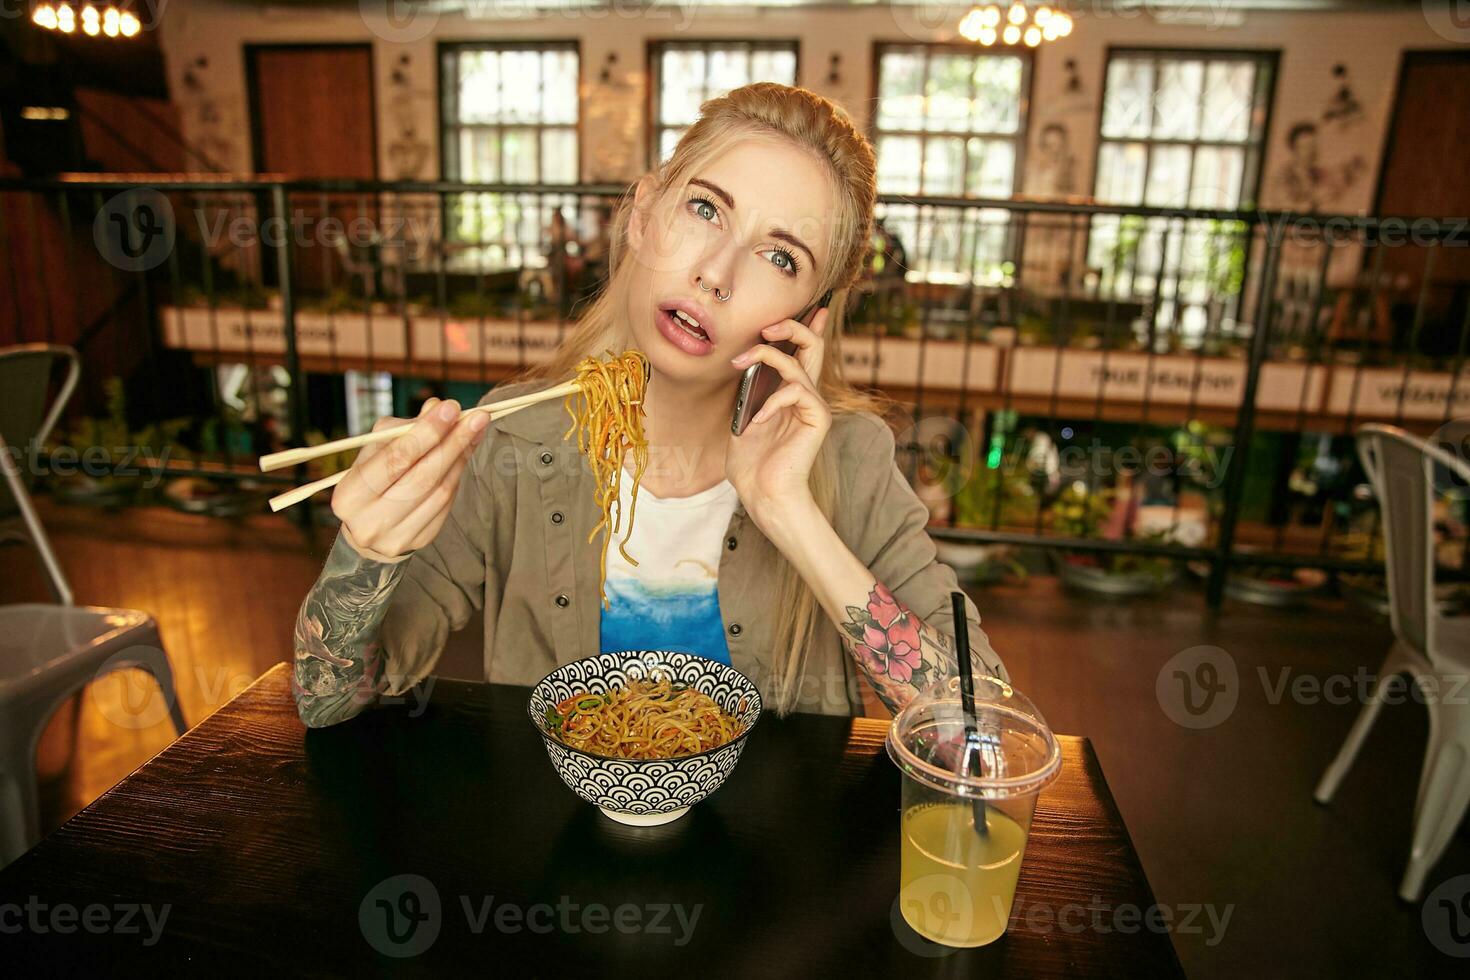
<point x="970" y="25"/>
<point x="987" y="36"/>
<point x="1017" y="14"/>
<point x="109" y="22"/>
<point x="128" y="24"/>
<point x="1032" y="37"/>
<point x="1064" y="27"/>
<point x="1043" y="14"/>
<point x="990" y="16"/>
<point x="1049" y="32"/>
<point x="1012" y="34"/>
<point x="66" y="20"/>
<point x="91" y="21"/>
<point x="45" y="16"/>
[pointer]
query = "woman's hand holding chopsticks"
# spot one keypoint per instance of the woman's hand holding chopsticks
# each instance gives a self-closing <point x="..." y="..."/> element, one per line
<point x="397" y="495"/>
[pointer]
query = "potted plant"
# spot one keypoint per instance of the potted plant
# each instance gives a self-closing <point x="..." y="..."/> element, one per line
<point x="105" y="468"/>
<point x="1079" y="513"/>
<point x="975" y="506"/>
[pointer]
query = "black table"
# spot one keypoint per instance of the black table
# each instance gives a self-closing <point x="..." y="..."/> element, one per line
<point x="447" y="836"/>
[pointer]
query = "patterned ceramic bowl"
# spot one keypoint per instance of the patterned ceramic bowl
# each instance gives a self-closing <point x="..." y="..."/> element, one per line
<point x="645" y="792"/>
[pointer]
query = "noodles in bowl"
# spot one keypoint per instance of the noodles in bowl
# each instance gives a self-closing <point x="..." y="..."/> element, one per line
<point x="644" y="734"/>
<point x="648" y="719"/>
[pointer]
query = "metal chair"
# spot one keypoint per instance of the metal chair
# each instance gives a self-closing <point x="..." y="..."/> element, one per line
<point x="1428" y="646"/>
<point x="50" y="652"/>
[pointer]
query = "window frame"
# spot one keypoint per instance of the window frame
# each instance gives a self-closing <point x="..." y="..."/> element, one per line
<point x="1270" y="57"/>
<point x="448" y="96"/>
<point x="1022" y="136"/>
<point x="653" y="125"/>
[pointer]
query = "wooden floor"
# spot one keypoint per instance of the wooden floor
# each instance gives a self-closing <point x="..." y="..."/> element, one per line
<point x="1222" y="817"/>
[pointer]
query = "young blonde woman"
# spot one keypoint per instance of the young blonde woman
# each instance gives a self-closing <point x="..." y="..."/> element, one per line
<point x="795" y="551"/>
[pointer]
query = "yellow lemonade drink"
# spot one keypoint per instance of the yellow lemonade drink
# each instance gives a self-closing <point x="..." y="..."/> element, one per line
<point x="955" y="885"/>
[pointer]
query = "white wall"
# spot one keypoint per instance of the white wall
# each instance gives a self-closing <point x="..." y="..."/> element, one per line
<point x="215" y="102"/>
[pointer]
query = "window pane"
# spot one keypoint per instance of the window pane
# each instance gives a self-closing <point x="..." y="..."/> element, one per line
<point x="560" y="98"/>
<point x="519" y="159"/>
<point x="681" y="85"/>
<point x="948" y="92"/>
<point x="1217" y="175"/>
<point x="997" y="94"/>
<point x="898" y="164"/>
<point x="944" y="166"/>
<point x="559" y="156"/>
<point x="479" y="155"/>
<point x="992" y="167"/>
<point x="900" y="92"/>
<point x="773" y="65"/>
<point x="1228" y="89"/>
<point x="1120" y="172"/>
<point x="668" y="141"/>
<point x="728" y="68"/>
<point x="479" y="86"/>
<point x="520" y="80"/>
<point x="1177" y="99"/>
<point x="1168" y="177"/>
<point x="1127" y="106"/>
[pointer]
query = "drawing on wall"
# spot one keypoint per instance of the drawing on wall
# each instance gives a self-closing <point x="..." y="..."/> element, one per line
<point x="1321" y="165"/>
<point x="408" y="152"/>
<point x="205" y="118"/>
<point x="1052" y="170"/>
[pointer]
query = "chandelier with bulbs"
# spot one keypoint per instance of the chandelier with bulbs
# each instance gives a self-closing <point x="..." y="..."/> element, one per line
<point x="1018" y="24"/>
<point x="90" y="19"/>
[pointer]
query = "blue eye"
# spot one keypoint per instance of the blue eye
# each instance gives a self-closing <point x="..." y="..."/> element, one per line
<point x="704" y="208"/>
<point x="785" y="261"/>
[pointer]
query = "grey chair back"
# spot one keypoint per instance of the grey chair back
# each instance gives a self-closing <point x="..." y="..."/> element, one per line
<point x="1407" y="473"/>
<point x="27" y="411"/>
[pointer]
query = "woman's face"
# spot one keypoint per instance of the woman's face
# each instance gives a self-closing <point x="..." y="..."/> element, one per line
<point x="755" y="225"/>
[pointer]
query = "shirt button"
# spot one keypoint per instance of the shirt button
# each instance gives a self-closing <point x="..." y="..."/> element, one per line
<point x="546" y="459"/>
<point x="556" y="517"/>
<point x="562" y="601"/>
<point x="734" y="629"/>
<point x="731" y="543"/>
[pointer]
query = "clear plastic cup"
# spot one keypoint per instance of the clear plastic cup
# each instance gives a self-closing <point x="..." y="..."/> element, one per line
<point x="967" y="806"/>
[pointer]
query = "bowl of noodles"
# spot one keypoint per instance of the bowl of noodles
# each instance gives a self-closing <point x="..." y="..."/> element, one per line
<point x="644" y="734"/>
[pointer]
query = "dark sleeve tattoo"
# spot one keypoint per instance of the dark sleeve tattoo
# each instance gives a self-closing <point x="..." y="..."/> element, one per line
<point x="900" y="653"/>
<point x="338" y="663"/>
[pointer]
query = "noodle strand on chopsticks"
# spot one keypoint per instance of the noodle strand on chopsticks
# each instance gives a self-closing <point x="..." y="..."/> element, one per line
<point x="646" y="720"/>
<point x="607" y="415"/>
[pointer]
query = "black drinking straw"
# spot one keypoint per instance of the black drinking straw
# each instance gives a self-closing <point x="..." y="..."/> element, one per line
<point x="967" y="700"/>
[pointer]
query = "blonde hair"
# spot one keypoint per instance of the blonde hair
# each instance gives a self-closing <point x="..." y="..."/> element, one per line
<point x="763" y="110"/>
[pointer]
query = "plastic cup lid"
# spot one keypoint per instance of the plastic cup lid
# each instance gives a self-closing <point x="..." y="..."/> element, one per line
<point x="1012" y="751"/>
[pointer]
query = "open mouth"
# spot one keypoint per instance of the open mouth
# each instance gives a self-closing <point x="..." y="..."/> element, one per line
<point x="688" y="324"/>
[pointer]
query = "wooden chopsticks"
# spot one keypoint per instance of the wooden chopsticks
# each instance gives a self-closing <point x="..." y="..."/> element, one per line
<point x="291" y="457"/>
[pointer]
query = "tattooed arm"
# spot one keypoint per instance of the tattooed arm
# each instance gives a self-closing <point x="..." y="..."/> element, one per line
<point x="339" y="664"/>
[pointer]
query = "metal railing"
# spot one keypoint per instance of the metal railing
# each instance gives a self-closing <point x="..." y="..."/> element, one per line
<point x="1165" y="385"/>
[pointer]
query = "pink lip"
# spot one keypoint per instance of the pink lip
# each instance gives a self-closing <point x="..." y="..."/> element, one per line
<point x="693" y="309"/>
<point x="677" y="336"/>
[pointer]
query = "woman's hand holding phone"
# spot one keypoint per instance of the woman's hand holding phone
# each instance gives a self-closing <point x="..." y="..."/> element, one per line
<point x="770" y="462"/>
<point x="397" y="495"/>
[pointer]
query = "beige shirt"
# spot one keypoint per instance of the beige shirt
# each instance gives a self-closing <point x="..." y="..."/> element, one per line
<point x="515" y="543"/>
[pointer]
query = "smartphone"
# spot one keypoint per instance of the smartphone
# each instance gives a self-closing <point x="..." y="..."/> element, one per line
<point x="760" y="381"/>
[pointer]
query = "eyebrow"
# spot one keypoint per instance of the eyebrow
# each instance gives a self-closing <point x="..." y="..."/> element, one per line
<point x="777" y="233"/>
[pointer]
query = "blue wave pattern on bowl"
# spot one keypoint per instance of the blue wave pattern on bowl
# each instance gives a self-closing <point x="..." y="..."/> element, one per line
<point x="645" y="786"/>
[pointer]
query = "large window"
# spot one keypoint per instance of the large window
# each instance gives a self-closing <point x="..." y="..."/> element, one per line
<point x="1179" y="129"/>
<point x="686" y="73"/>
<point x="510" y="116"/>
<point x="949" y="122"/>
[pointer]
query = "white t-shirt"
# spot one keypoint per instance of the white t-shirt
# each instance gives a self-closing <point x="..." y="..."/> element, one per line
<point x="669" y="600"/>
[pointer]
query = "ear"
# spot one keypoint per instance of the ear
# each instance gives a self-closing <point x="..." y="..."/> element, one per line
<point x="637" y="218"/>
